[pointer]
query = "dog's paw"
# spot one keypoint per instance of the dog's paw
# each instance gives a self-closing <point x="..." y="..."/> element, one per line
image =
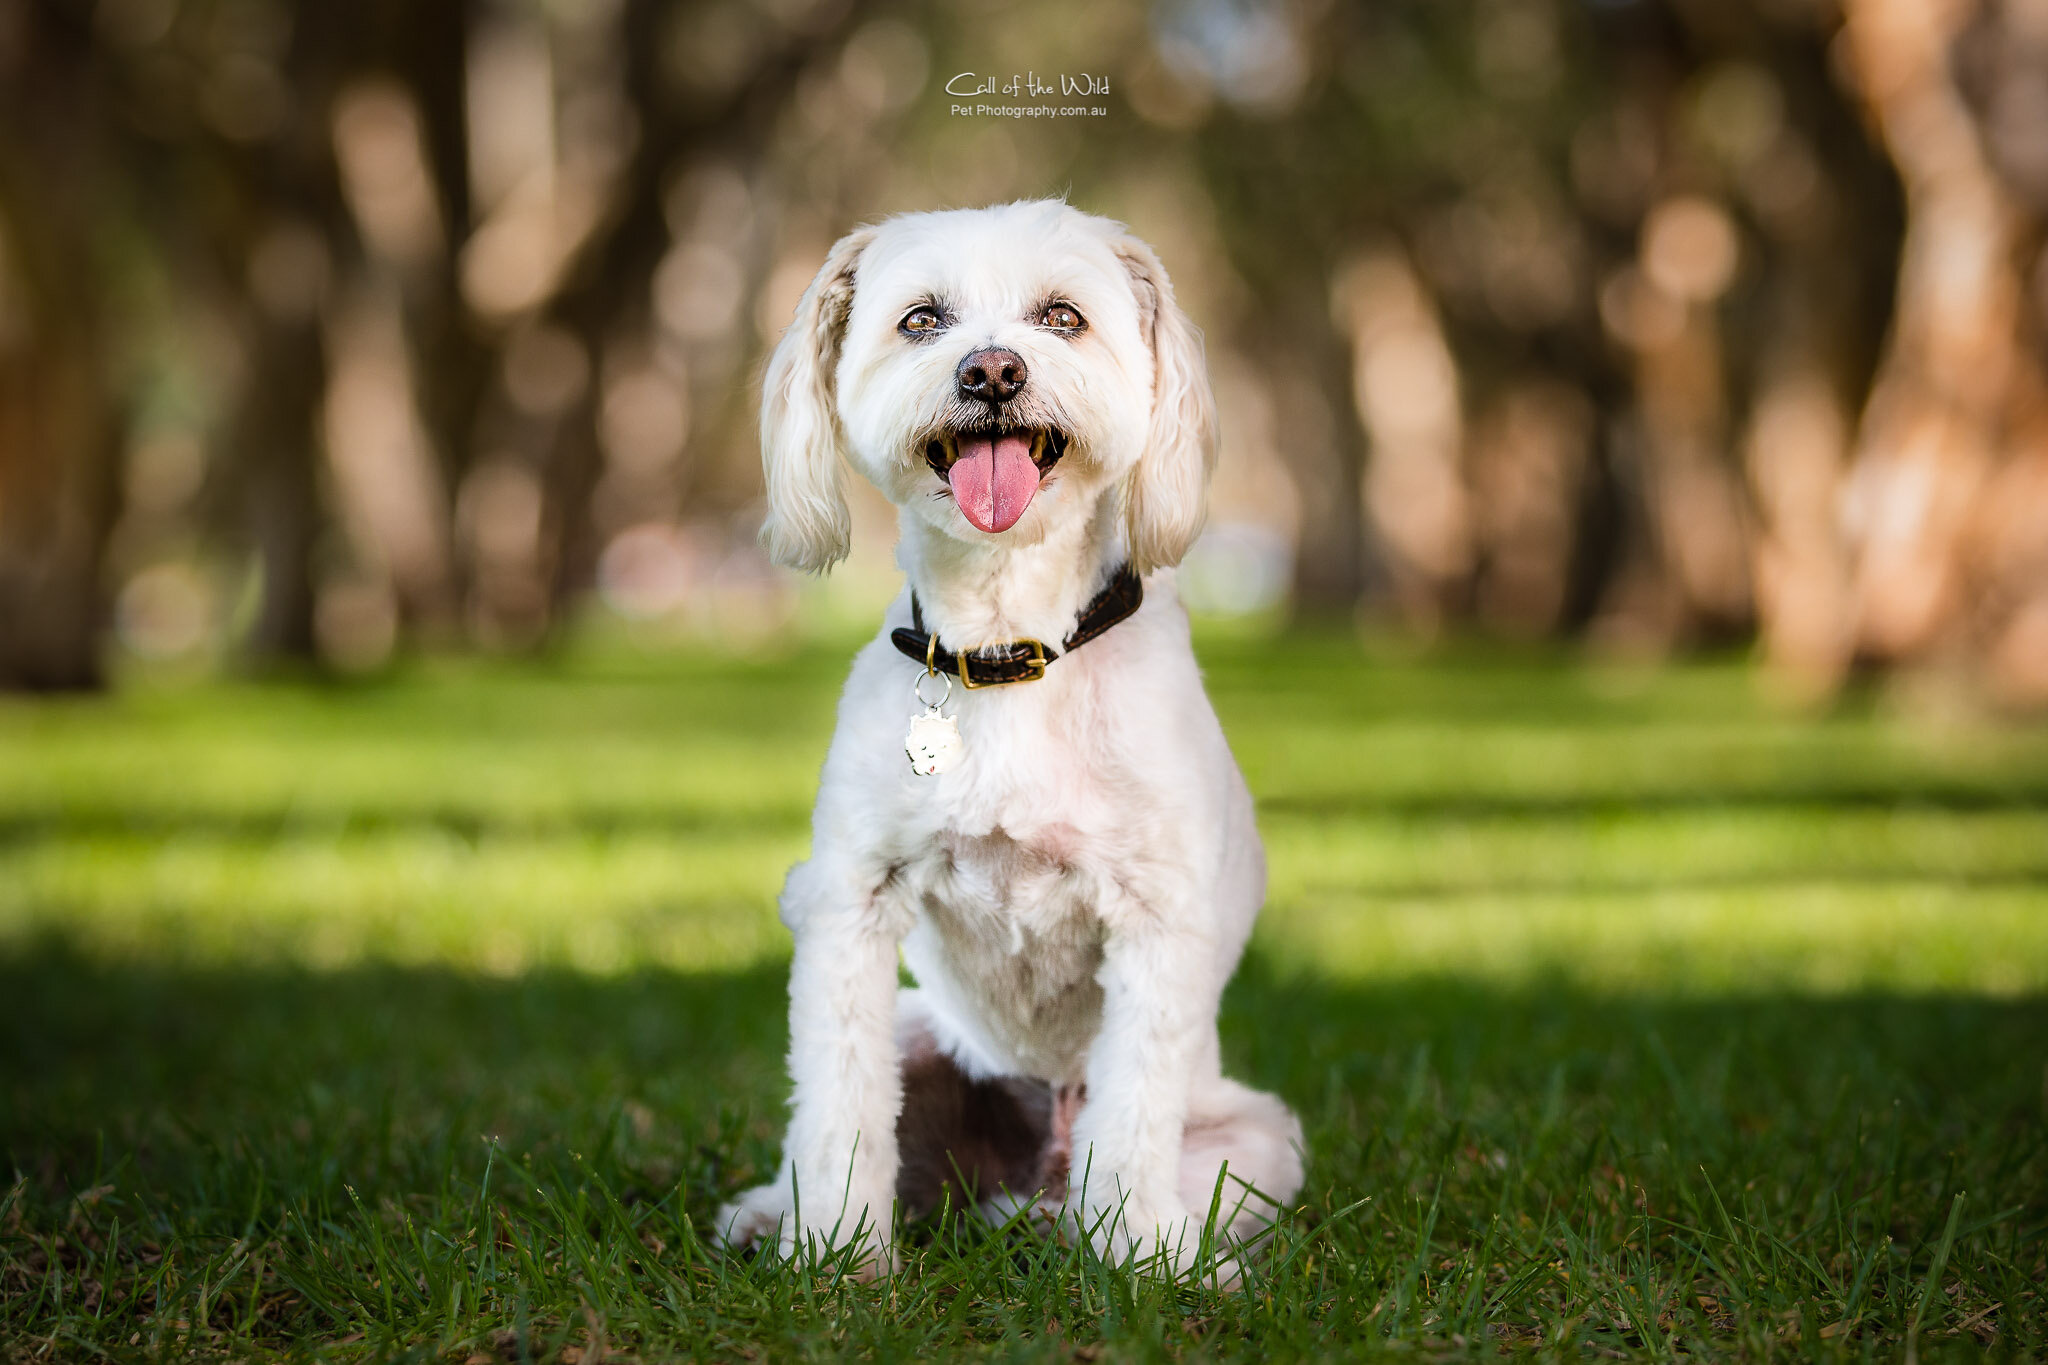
<point x="762" y="1216"/>
<point x="870" y="1259"/>
<point x="1164" y="1240"/>
<point x="766" y="1215"/>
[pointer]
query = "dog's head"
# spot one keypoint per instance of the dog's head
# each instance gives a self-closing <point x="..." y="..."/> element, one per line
<point x="995" y="371"/>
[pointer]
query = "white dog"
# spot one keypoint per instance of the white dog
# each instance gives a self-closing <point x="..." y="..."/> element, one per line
<point x="1068" y="863"/>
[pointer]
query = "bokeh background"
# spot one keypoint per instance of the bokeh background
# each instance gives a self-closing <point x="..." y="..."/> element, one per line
<point x="333" y="332"/>
<point x="1626" y="593"/>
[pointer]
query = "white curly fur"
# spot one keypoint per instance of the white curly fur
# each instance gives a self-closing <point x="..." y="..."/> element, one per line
<point x="1073" y="893"/>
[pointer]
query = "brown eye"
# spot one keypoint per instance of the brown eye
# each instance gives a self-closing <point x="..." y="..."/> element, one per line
<point x="1061" y="317"/>
<point x="920" y="320"/>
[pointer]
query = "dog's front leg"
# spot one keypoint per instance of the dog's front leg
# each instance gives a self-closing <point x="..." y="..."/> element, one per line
<point x="838" y="1179"/>
<point x="1127" y="1139"/>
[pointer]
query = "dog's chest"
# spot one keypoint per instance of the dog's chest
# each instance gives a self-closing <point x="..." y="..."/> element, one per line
<point x="1012" y="926"/>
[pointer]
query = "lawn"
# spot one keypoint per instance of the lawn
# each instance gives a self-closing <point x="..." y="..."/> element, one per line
<point x="432" y="1018"/>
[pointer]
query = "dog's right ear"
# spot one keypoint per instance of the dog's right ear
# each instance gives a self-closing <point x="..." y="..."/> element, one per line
<point x="808" y="524"/>
<point x="1166" y="494"/>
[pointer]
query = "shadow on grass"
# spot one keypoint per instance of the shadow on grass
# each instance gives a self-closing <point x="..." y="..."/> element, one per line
<point x="1822" y="793"/>
<point x="1543" y="1165"/>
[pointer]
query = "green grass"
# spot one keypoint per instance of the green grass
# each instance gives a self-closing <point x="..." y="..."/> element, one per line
<point x="432" y="1018"/>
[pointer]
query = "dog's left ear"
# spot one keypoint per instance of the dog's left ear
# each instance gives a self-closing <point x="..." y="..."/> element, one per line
<point x="808" y="524"/>
<point x="1166" y="493"/>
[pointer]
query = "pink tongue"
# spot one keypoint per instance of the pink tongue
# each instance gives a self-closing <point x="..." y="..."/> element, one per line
<point x="994" y="479"/>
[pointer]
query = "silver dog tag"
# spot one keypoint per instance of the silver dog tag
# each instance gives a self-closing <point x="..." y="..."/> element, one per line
<point x="933" y="743"/>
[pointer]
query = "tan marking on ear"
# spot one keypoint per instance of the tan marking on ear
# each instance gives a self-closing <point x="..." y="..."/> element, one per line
<point x="802" y="444"/>
<point x="1165" y="496"/>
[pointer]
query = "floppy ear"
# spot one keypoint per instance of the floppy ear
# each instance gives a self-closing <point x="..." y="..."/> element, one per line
<point x="808" y="526"/>
<point x="1166" y="494"/>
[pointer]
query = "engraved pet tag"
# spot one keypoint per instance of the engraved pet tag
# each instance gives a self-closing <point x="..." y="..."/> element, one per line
<point x="933" y="743"/>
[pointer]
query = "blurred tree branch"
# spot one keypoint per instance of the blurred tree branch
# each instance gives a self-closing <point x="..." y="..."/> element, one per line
<point x="1557" y="319"/>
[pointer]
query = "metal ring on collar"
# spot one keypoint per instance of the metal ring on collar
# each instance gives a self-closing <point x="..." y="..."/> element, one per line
<point x="917" y="689"/>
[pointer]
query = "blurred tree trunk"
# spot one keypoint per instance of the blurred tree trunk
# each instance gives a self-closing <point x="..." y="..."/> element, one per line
<point x="59" y="431"/>
<point x="1795" y="452"/>
<point x="1406" y="397"/>
<point x="607" y="294"/>
<point x="59" y="441"/>
<point x="1320" y="441"/>
<point x="1697" y="511"/>
<point x="276" y="442"/>
<point x="279" y="228"/>
<point x="451" y="356"/>
<point x="614" y="267"/>
<point x="280" y="242"/>
<point x="1949" y="411"/>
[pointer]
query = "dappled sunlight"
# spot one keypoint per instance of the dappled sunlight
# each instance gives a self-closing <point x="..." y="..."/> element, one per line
<point x="1587" y="986"/>
<point x="1843" y="938"/>
<point x="1705" y="900"/>
<point x="1501" y="821"/>
<point x="497" y="905"/>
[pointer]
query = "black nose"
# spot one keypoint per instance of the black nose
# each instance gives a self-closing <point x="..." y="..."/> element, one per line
<point x="991" y="376"/>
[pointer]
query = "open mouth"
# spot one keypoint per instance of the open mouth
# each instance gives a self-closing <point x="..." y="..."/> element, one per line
<point x="994" y="472"/>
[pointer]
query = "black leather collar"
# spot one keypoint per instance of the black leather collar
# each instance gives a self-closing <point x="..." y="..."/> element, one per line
<point x="1020" y="660"/>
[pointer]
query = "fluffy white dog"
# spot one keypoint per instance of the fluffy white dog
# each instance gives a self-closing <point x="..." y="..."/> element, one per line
<point x="1068" y="864"/>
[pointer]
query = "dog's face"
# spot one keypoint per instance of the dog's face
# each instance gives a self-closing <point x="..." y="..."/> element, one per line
<point x="995" y="372"/>
<point x="991" y="360"/>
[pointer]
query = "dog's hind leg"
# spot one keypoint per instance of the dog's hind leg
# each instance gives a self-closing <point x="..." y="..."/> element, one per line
<point x="957" y="1136"/>
<point x="1257" y="1138"/>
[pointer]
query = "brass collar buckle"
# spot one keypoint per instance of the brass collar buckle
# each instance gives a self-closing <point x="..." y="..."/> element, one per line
<point x="1036" y="663"/>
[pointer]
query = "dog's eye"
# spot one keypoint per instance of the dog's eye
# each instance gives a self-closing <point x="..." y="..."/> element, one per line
<point x="920" y="320"/>
<point x="1062" y="317"/>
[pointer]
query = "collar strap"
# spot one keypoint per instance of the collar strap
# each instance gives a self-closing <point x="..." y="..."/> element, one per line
<point x="1019" y="660"/>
